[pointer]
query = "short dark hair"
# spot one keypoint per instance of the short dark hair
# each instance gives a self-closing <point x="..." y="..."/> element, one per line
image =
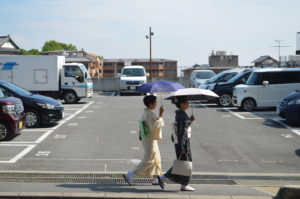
<point x="149" y="99"/>
<point x="179" y="100"/>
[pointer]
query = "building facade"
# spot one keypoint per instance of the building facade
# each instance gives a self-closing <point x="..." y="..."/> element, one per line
<point x="265" y="61"/>
<point x="219" y="58"/>
<point x="8" y="46"/>
<point x="93" y="64"/>
<point x="159" y="67"/>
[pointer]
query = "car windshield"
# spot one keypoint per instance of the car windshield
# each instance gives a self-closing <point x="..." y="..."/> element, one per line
<point x="133" y="72"/>
<point x="238" y="77"/>
<point x="1" y="94"/>
<point x="252" y="79"/>
<point x="16" y="89"/>
<point x="215" y="78"/>
<point x="204" y="75"/>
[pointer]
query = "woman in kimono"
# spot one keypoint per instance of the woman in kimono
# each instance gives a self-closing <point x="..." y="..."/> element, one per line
<point x="181" y="139"/>
<point x="151" y="162"/>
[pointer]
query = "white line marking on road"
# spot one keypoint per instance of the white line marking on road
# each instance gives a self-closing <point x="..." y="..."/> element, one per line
<point x="287" y="135"/>
<point x="112" y="94"/>
<point x="21" y="154"/>
<point x="82" y="117"/>
<point x="89" y="111"/>
<point x="134" y="161"/>
<point x="105" y="167"/>
<point x="233" y="113"/>
<point x="43" y="153"/>
<point x="59" y="136"/>
<point x="34" y="130"/>
<point x="73" y="124"/>
<point x="95" y="106"/>
<point x="272" y="161"/>
<point x="135" y="148"/>
<point x="48" y="132"/>
<point x="97" y="140"/>
<point x="296" y="131"/>
<point x="43" y="137"/>
<point x="228" y="160"/>
<point x="242" y="117"/>
<point x="132" y="132"/>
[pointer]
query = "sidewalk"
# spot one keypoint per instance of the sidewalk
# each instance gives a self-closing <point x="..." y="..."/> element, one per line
<point x="29" y="190"/>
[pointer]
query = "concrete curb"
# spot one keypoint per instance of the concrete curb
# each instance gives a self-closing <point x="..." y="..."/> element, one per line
<point x="111" y="195"/>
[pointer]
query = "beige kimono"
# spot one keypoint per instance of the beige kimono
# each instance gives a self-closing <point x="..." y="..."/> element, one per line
<point x="151" y="163"/>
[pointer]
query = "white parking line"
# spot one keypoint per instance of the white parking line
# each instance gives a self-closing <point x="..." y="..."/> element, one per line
<point x="240" y="115"/>
<point x="296" y="131"/>
<point x="20" y="155"/>
<point x="31" y="145"/>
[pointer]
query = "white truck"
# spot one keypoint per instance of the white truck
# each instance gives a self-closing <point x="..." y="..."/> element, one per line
<point x="48" y="75"/>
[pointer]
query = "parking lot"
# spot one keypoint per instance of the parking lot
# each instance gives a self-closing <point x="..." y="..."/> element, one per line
<point x="101" y="134"/>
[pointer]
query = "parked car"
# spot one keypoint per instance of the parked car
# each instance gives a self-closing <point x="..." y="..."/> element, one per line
<point x="12" y="116"/>
<point x="39" y="109"/>
<point x="225" y="89"/>
<point x="132" y="77"/>
<point x="265" y="87"/>
<point x="221" y="77"/>
<point x="200" y="76"/>
<point x="289" y="107"/>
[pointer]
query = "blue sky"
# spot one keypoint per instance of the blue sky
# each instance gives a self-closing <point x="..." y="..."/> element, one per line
<point x="184" y="30"/>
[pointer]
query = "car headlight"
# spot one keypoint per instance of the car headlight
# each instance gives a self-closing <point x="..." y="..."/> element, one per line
<point x="46" y="106"/>
<point x="9" y="109"/>
<point x="294" y="102"/>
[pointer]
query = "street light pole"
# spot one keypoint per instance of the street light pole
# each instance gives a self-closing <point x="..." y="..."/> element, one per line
<point x="149" y="37"/>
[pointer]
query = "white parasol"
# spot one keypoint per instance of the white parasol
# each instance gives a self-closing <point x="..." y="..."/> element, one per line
<point x="193" y="94"/>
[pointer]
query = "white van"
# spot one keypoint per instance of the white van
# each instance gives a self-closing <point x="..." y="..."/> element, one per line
<point x="132" y="77"/>
<point x="265" y="87"/>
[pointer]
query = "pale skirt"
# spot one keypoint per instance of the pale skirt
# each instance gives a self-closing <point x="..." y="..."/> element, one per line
<point x="151" y="163"/>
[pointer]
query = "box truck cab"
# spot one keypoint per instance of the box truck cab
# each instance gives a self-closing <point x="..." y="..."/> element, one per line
<point x="265" y="87"/>
<point x="132" y="77"/>
<point x="76" y="83"/>
<point x="48" y="75"/>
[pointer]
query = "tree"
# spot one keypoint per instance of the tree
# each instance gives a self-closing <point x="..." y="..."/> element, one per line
<point x="30" y="52"/>
<point x="54" y="45"/>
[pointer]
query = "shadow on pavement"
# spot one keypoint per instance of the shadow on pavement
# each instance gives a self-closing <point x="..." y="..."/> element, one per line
<point x="117" y="188"/>
<point x="297" y="152"/>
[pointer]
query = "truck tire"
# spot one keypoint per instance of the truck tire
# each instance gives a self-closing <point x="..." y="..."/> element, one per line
<point x="225" y="100"/>
<point x="70" y="97"/>
<point x="248" y="104"/>
<point x="5" y="132"/>
<point x="33" y="119"/>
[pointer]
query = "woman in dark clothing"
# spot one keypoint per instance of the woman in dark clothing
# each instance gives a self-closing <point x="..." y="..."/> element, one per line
<point x="181" y="139"/>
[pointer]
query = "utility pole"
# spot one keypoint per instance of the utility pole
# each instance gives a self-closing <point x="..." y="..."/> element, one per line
<point x="149" y="37"/>
<point x="279" y="47"/>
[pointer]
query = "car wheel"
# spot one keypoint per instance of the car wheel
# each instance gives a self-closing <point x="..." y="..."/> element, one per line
<point x="32" y="119"/>
<point x="248" y="104"/>
<point x="225" y="100"/>
<point x="5" y="132"/>
<point x="70" y="97"/>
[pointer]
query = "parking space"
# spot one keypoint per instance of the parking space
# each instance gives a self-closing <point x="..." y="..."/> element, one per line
<point x="12" y="151"/>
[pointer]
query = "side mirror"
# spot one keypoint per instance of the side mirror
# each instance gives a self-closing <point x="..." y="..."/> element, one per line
<point x="119" y="75"/>
<point x="265" y="83"/>
<point x="147" y="74"/>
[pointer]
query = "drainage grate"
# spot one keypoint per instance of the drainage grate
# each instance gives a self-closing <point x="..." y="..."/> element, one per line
<point x="85" y="178"/>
